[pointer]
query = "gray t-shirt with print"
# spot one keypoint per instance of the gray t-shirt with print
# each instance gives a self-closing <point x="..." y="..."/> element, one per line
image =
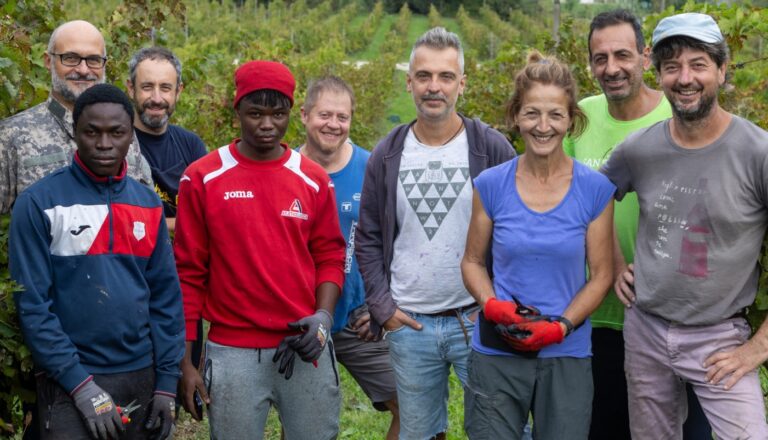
<point x="702" y="219"/>
<point x="434" y="205"/>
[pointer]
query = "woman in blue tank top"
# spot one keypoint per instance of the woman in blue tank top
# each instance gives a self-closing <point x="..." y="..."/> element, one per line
<point x="543" y="216"/>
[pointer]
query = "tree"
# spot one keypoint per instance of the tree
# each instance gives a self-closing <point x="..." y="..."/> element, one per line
<point x="556" y="21"/>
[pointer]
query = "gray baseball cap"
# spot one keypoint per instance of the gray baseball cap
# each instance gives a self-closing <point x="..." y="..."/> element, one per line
<point x="691" y="24"/>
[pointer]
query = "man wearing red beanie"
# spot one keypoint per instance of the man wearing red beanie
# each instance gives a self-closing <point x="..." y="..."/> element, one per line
<point x="261" y="257"/>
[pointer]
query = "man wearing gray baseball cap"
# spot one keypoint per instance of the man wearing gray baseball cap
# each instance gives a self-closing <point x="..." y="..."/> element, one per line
<point x="702" y="181"/>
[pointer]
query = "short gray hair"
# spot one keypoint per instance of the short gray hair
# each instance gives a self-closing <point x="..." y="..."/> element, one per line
<point x="52" y="40"/>
<point x="154" y="53"/>
<point x="439" y="38"/>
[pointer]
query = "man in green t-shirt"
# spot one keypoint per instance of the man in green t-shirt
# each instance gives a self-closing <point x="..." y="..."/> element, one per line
<point x="618" y="57"/>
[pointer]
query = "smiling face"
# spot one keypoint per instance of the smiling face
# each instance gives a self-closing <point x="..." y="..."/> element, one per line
<point x="81" y="39"/>
<point x="261" y="129"/>
<point x="328" y="122"/>
<point x="690" y="82"/>
<point x="616" y="63"/>
<point x="155" y="93"/>
<point x="543" y="119"/>
<point x="103" y="134"/>
<point x="435" y="80"/>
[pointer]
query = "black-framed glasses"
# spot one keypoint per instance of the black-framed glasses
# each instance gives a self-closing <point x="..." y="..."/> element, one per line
<point x="70" y="59"/>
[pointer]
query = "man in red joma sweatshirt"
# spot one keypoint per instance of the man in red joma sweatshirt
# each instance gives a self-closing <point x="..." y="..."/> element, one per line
<point x="260" y="255"/>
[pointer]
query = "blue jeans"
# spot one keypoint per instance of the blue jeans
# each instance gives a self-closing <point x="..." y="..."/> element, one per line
<point x="421" y="360"/>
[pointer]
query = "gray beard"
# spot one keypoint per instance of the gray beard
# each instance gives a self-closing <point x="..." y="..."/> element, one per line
<point x="60" y="86"/>
<point x="154" y="123"/>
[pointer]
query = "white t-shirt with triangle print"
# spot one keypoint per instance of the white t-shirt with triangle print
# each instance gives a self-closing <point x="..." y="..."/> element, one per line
<point x="434" y="205"/>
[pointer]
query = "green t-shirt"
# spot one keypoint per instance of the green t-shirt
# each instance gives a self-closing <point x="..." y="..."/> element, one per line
<point x="593" y="147"/>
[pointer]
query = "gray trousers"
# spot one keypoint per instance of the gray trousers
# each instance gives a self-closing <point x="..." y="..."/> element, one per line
<point x="501" y="391"/>
<point x="244" y="383"/>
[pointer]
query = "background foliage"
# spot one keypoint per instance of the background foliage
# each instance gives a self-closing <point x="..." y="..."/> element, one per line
<point x="360" y="40"/>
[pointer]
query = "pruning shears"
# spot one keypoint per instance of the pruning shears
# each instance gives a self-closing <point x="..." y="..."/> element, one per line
<point x="125" y="411"/>
<point x="524" y="310"/>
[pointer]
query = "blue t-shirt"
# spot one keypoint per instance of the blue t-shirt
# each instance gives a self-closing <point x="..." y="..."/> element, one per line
<point x="540" y="257"/>
<point x="349" y="182"/>
<point x="168" y="155"/>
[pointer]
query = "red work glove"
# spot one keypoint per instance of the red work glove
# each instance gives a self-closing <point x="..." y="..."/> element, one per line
<point x="532" y="335"/>
<point x="508" y="312"/>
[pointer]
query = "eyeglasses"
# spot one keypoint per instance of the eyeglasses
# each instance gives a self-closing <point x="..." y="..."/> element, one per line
<point x="70" y="59"/>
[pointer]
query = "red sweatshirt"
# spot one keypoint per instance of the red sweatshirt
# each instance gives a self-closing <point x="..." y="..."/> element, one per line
<point x="253" y="241"/>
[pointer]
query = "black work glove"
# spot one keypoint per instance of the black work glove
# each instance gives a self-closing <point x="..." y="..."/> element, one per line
<point x="533" y="335"/>
<point x="316" y="328"/>
<point x="99" y="411"/>
<point x="285" y="355"/>
<point x="160" y="417"/>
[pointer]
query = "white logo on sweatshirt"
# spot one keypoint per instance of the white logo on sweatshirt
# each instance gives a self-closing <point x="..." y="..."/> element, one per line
<point x="238" y="195"/>
<point x="139" y="230"/>
<point x="295" y="211"/>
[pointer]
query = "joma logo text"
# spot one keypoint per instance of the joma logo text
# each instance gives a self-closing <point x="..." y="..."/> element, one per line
<point x="238" y="195"/>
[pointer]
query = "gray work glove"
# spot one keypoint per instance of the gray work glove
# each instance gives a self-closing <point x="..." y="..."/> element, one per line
<point x="160" y="418"/>
<point x="99" y="411"/>
<point x="316" y="328"/>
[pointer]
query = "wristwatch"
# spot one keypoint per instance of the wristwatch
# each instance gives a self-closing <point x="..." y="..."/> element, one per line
<point x="568" y="324"/>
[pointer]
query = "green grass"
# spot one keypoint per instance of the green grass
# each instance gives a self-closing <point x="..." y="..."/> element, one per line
<point x="356" y="22"/>
<point x="372" y="51"/>
<point x="358" y="420"/>
<point x="452" y="25"/>
<point x="401" y="108"/>
<point x="418" y="25"/>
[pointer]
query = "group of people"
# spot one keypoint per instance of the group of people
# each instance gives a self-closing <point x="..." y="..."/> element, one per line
<point x="440" y="248"/>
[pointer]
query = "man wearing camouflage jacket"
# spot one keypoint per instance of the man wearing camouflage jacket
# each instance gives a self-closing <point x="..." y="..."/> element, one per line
<point x="39" y="140"/>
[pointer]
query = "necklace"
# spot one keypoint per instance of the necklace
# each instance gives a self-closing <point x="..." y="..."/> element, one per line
<point x="444" y="143"/>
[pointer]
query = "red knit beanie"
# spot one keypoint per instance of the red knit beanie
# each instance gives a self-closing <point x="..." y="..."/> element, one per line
<point x="260" y="75"/>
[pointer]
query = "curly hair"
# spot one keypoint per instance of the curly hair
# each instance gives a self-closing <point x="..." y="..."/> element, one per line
<point x="98" y="94"/>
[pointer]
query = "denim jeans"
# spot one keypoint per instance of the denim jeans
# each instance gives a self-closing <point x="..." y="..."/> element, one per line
<point x="422" y="360"/>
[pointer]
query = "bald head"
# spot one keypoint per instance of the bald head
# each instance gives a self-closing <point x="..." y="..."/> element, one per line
<point x="79" y="30"/>
<point x="75" y="42"/>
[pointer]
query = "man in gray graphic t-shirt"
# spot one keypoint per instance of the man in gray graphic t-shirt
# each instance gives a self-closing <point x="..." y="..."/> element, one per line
<point x="702" y="183"/>
<point x="414" y="213"/>
<point x="434" y="202"/>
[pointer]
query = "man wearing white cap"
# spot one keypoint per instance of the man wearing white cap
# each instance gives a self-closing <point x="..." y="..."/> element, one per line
<point x="702" y="181"/>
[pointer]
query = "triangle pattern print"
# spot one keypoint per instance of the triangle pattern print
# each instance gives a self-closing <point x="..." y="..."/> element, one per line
<point x="432" y="192"/>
